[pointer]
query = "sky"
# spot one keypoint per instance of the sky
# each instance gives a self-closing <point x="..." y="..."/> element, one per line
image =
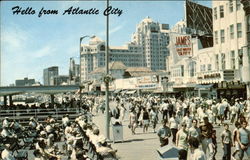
<point x="30" y="43"/>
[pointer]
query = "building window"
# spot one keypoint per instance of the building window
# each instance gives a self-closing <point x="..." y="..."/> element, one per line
<point x="217" y="62"/>
<point x="203" y="68"/>
<point x="192" y="69"/>
<point x="232" y="60"/>
<point x="223" y="61"/>
<point x="221" y="11"/>
<point x="209" y="67"/>
<point x="216" y="37"/>
<point x="239" y="30"/>
<point x="231" y="6"/>
<point x="232" y="31"/>
<point x="222" y="36"/>
<point x="238" y="5"/>
<point x="215" y="13"/>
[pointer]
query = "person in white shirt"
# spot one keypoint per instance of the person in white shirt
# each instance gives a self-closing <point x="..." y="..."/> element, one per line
<point x="7" y="154"/>
<point x="65" y="120"/>
<point x="182" y="137"/>
<point x="122" y="112"/>
<point x="200" y="113"/>
<point x="5" y="133"/>
<point x="164" y="109"/>
<point x="222" y="108"/>
<point x="173" y="125"/>
<point x="209" y="114"/>
<point x="196" y="152"/>
<point x="192" y="109"/>
<point x="194" y="131"/>
<point x="179" y="109"/>
<point x="234" y="111"/>
<point x="187" y="120"/>
<point x="6" y="122"/>
<point x="153" y="118"/>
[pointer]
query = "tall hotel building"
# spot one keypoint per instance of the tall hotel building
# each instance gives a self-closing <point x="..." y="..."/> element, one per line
<point x="148" y="48"/>
<point x="230" y="39"/>
<point x="154" y="39"/>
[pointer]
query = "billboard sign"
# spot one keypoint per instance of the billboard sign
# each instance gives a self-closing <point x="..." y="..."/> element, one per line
<point x="183" y="45"/>
<point x="199" y="18"/>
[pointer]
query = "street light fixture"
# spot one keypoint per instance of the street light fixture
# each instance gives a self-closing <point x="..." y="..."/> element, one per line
<point x="80" y="50"/>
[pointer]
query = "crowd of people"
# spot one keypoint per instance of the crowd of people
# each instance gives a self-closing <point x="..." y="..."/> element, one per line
<point x="192" y="123"/>
<point x="53" y="139"/>
<point x="187" y="123"/>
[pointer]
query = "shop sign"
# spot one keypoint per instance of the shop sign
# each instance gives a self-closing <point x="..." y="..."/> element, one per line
<point x="210" y="76"/>
<point x="214" y="75"/>
<point x="146" y="79"/>
<point x="146" y="86"/>
<point x="183" y="45"/>
<point x="232" y="85"/>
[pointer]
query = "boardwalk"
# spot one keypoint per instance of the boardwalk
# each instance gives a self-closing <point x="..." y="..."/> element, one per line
<point x="142" y="146"/>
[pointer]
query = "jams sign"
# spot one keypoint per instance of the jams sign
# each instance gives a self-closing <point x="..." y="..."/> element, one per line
<point x="183" y="45"/>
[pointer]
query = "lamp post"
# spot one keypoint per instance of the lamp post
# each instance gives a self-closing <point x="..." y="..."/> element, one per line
<point x="107" y="73"/>
<point x="80" y="81"/>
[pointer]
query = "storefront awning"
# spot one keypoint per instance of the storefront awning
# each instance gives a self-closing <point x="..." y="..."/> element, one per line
<point x="185" y="86"/>
<point x="166" y="92"/>
<point x="203" y="86"/>
<point x="123" y="92"/>
<point x="117" y="91"/>
<point x="131" y="92"/>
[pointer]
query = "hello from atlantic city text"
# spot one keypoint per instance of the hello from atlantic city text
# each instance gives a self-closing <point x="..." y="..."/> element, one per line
<point x="17" y="10"/>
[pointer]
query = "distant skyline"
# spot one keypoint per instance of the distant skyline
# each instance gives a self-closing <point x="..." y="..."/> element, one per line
<point x="30" y="43"/>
